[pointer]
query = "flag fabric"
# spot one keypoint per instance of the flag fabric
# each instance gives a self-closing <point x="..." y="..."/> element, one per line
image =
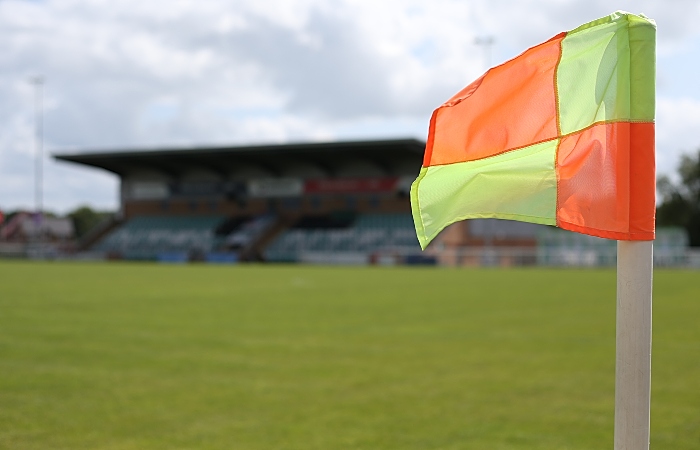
<point x="561" y="135"/>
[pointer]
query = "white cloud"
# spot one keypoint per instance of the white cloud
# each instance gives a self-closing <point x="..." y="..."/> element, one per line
<point x="158" y="73"/>
<point x="678" y="125"/>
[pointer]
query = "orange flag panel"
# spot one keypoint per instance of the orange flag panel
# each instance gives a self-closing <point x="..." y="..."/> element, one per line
<point x="602" y="185"/>
<point x="511" y="106"/>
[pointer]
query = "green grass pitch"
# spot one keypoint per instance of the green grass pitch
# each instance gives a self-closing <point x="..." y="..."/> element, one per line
<point x="140" y="356"/>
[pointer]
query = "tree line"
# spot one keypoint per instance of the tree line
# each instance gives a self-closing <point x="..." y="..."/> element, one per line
<point x="680" y="199"/>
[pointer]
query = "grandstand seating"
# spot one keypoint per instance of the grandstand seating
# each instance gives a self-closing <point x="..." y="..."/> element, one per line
<point x="368" y="233"/>
<point x="148" y="236"/>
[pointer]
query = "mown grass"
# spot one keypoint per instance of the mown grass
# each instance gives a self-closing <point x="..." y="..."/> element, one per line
<point x="138" y="356"/>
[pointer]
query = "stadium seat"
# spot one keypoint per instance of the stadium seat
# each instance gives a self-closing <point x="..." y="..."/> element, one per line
<point x="368" y="233"/>
<point x="148" y="237"/>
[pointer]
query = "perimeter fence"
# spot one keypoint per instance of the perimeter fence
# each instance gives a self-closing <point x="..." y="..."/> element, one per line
<point x="446" y="257"/>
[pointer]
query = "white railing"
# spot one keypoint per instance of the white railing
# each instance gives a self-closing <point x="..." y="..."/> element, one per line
<point x="499" y="257"/>
<point x="557" y="257"/>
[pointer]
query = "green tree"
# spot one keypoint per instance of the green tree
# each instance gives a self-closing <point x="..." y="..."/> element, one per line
<point x="85" y="219"/>
<point x="680" y="202"/>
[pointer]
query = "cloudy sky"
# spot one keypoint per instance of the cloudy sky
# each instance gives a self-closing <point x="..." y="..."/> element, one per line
<point x="139" y="74"/>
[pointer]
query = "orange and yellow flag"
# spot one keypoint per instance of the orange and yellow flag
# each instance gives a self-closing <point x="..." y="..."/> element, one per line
<point x="561" y="135"/>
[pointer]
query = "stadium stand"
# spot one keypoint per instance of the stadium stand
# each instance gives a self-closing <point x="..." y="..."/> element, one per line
<point x="258" y="202"/>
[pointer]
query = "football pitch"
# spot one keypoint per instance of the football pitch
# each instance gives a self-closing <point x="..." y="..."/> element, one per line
<point x="144" y="356"/>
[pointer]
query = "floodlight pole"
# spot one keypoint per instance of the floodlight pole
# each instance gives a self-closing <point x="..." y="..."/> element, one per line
<point x="38" y="82"/>
<point x="486" y="42"/>
<point x="633" y="345"/>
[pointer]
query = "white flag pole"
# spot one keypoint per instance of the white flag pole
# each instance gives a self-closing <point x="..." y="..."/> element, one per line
<point x="633" y="345"/>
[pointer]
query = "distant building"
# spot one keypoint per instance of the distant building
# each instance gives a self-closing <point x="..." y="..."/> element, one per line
<point x="26" y="227"/>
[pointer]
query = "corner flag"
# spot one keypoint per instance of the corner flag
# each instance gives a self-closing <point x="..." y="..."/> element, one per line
<point x="561" y="135"/>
